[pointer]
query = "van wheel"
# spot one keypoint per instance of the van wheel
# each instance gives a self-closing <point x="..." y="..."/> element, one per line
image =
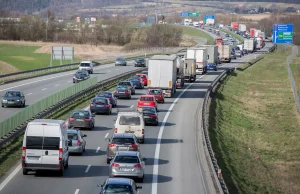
<point x="67" y="164"/>
<point x="25" y="171"/>
<point x="108" y="161"/>
<point x="142" y="140"/>
<point x="61" y="172"/>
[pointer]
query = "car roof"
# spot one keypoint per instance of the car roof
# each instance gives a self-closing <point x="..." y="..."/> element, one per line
<point x="123" y="135"/>
<point x="146" y="96"/>
<point x="80" y="111"/>
<point x="105" y="92"/>
<point x="86" y="62"/>
<point x="129" y="114"/>
<point x="127" y="153"/>
<point x="119" y="181"/>
<point x="100" y="97"/>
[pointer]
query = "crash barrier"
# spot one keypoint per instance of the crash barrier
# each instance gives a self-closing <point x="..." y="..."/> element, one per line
<point x="15" y="125"/>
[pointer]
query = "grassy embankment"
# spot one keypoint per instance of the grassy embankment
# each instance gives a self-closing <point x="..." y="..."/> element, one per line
<point x="197" y="33"/>
<point x="295" y="67"/>
<point x="254" y="129"/>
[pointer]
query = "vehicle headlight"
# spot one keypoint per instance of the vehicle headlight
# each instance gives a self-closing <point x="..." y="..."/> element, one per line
<point x="17" y="100"/>
<point x="4" y="100"/>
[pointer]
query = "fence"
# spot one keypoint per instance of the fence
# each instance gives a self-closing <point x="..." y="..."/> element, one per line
<point x="290" y="59"/>
<point x="9" y="124"/>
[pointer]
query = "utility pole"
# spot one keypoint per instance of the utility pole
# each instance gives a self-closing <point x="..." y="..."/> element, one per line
<point x="47" y="26"/>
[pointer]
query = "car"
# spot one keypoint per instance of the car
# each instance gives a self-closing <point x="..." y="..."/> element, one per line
<point x="129" y="84"/>
<point x="101" y="105"/>
<point x="45" y="146"/>
<point x="110" y="96"/>
<point x="137" y="82"/>
<point x="233" y="55"/>
<point x="122" y="92"/>
<point x="158" y="93"/>
<point x="209" y="30"/>
<point x="14" y="98"/>
<point x="76" y="141"/>
<point x="119" y="185"/>
<point x="238" y="53"/>
<point x="131" y="122"/>
<point x="212" y="66"/>
<point x="121" y="142"/>
<point x="226" y="35"/>
<point x="140" y="62"/>
<point x="150" y="115"/>
<point x="87" y="66"/>
<point x="147" y="100"/>
<point x="127" y="164"/>
<point x="80" y="75"/>
<point x="81" y="119"/>
<point x="144" y="78"/>
<point x="120" y="62"/>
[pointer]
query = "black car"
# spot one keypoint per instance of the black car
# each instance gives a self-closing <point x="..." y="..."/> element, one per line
<point x="120" y="62"/>
<point x="14" y="99"/>
<point x="122" y="92"/>
<point x="81" y="119"/>
<point x="100" y="105"/>
<point x="80" y="75"/>
<point x="110" y="96"/>
<point x="140" y="62"/>
<point x="137" y="82"/>
<point x="129" y="84"/>
<point x="119" y="185"/>
<point x="150" y="115"/>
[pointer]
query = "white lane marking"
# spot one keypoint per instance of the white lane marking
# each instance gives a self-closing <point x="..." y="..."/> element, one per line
<point x="69" y="81"/>
<point x="57" y="84"/>
<point x="106" y="135"/>
<point x="44" y="89"/>
<point x="158" y="142"/>
<point x="29" y="94"/>
<point x="6" y="181"/>
<point x="132" y="106"/>
<point x="97" y="149"/>
<point x="88" y="168"/>
<point x="77" y="191"/>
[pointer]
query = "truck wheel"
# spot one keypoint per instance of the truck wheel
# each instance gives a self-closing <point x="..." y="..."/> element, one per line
<point x="25" y="171"/>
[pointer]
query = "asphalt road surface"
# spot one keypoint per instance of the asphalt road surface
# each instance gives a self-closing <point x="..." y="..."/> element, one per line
<point x="181" y="167"/>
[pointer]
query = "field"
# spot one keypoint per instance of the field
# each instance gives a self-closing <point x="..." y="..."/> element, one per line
<point x="254" y="129"/>
<point x="197" y="33"/>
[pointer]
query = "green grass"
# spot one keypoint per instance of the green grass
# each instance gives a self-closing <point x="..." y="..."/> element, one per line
<point x="197" y="33"/>
<point x="295" y="67"/>
<point x="236" y="36"/>
<point x="254" y="129"/>
<point x="24" y="58"/>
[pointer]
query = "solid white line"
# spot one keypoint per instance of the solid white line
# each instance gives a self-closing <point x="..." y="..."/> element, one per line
<point x="57" y="84"/>
<point x="97" y="149"/>
<point x="87" y="169"/>
<point x="158" y="142"/>
<point x="4" y="183"/>
<point x="77" y="191"/>
<point x="29" y="94"/>
<point x="44" y="89"/>
<point x="132" y="106"/>
<point x="106" y="135"/>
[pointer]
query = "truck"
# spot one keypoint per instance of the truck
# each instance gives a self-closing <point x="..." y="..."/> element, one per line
<point x="225" y="53"/>
<point x="188" y="22"/>
<point x="190" y="70"/>
<point x="196" y="24"/>
<point x="242" y="27"/>
<point x="234" y="25"/>
<point x="200" y="54"/>
<point x="180" y="72"/>
<point x="259" y="43"/>
<point x="249" y="45"/>
<point x="256" y="33"/>
<point x="252" y="32"/>
<point x="212" y="56"/>
<point x="162" y="73"/>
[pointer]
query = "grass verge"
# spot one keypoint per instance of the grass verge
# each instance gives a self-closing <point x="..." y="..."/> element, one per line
<point x="197" y="33"/>
<point x="295" y="67"/>
<point x="254" y="129"/>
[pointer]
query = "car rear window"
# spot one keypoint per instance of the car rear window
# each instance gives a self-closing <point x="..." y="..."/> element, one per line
<point x="100" y="101"/>
<point x="127" y="159"/>
<point x="34" y="142"/>
<point x="117" y="189"/>
<point x="106" y="95"/>
<point x="72" y="136"/>
<point x="146" y="99"/>
<point x="84" y="64"/>
<point x="81" y="114"/>
<point x="155" y="92"/>
<point x="123" y="140"/>
<point x="51" y="143"/>
<point x="124" y="84"/>
<point x="130" y="120"/>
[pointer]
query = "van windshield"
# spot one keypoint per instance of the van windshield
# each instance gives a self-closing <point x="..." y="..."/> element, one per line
<point x="130" y="120"/>
<point x="84" y="64"/>
<point x="51" y="143"/>
<point x="34" y="142"/>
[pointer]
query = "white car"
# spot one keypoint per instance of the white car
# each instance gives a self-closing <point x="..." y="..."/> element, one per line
<point x="87" y="65"/>
<point x="131" y="122"/>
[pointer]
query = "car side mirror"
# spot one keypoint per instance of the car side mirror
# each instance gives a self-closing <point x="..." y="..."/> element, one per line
<point x="139" y="187"/>
<point x="107" y="139"/>
<point x="84" y="135"/>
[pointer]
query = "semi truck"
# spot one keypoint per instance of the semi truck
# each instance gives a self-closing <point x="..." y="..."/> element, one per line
<point x="180" y="72"/>
<point x="225" y="53"/>
<point x="162" y="73"/>
<point x="252" y="32"/>
<point x="259" y="43"/>
<point x="242" y="27"/>
<point x="249" y="45"/>
<point x="234" y="25"/>
<point x="200" y="54"/>
<point x="212" y="56"/>
<point x="190" y="70"/>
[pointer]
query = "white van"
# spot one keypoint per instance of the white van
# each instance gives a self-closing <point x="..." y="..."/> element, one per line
<point x="131" y="122"/>
<point x="87" y="65"/>
<point x="45" y="146"/>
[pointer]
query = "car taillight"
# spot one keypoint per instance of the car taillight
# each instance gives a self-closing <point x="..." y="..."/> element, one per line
<point x="137" y="166"/>
<point x="87" y="120"/>
<point x="107" y="106"/>
<point x="110" y="98"/>
<point x="71" y="119"/>
<point x="116" y="130"/>
<point x="78" y="142"/>
<point x="115" y="91"/>
<point x="126" y="92"/>
<point x="23" y="153"/>
<point x="153" y="115"/>
<point x="143" y="131"/>
<point x="91" y="105"/>
<point x="111" y="145"/>
<point x="60" y="154"/>
<point x="134" y="146"/>
<point x="115" y="165"/>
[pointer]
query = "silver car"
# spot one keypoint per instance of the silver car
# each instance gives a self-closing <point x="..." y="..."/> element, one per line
<point x="76" y="143"/>
<point x="127" y="164"/>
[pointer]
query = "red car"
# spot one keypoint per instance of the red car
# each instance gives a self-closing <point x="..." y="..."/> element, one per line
<point x="147" y="100"/>
<point x="158" y="93"/>
<point x="144" y="78"/>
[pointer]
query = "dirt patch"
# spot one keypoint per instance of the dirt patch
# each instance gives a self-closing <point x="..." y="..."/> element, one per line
<point x="6" y="68"/>
<point x="256" y="17"/>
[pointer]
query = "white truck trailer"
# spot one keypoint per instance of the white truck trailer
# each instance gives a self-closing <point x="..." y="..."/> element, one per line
<point x="162" y="73"/>
<point x="212" y="52"/>
<point x="200" y="54"/>
<point x="180" y="72"/>
<point x="249" y="45"/>
<point x="242" y="27"/>
<point x="190" y="70"/>
<point x="259" y="43"/>
<point x="225" y="53"/>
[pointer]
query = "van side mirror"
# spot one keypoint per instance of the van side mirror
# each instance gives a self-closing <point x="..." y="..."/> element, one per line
<point x="107" y="139"/>
<point x="84" y="135"/>
<point x="98" y="185"/>
<point x="93" y="115"/>
<point x="139" y="187"/>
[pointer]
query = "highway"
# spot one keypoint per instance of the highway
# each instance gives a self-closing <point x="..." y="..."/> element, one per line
<point x="175" y="160"/>
<point x="38" y="88"/>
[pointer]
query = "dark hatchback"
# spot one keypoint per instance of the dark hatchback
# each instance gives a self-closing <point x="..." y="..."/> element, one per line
<point x="81" y="119"/>
<point x="122" y="92"/>
<point x="150" y="115"/>
<point x="138" y="83"/>
<point x="110" y="96"/>
<point x="119" y="185"/>
<point x="101" y="105"/>
<point x="13" y="99"/>
<point x="129" y="84"/>
<point x="140" y="62"/>
<point x="80" y="75"/>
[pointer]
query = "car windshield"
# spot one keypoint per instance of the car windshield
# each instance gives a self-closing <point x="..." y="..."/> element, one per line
<point x="127" y="159"/>
<point x="130" y="120"/>
<point x="13" y="94"/>
<point x="141" y="60"/>
<point x="123" y="140"/>
<point x="119" y="59"/>
<point x="118" y="189"/>
<point x="72" y="136"/>
<point x="84" y="64"/>
<point x="155" y="92"/>
<point x="80" y="114"/>
<point x="81" y="73"/>
<point x="106" y="95"/>
<point x="100" y="101"/>
<point x="124" y="83"/>
<point x="146" y="99"/>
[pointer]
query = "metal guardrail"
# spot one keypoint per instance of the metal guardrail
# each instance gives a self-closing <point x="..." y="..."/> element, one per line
<point x="16" y="124"/>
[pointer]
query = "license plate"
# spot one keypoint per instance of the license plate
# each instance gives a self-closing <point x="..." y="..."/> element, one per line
<point x="146" y="117"/>
<point x="10" y="102"/>
<point x="129" y="131"/>
<point x="146" y="103"/>
<point x="100" y="105"/>
<point x="126" y="169"/>
<point x="33" y="158"/>
<point x="79" y="119"/>
<point x="122" y="148"/>
<point x="121" y="92"/>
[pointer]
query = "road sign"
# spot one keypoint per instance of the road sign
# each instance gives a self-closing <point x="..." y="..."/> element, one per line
<point x="209" y="19"/>
<point x="189" y="14"/>
<point x="283" y="33"/>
